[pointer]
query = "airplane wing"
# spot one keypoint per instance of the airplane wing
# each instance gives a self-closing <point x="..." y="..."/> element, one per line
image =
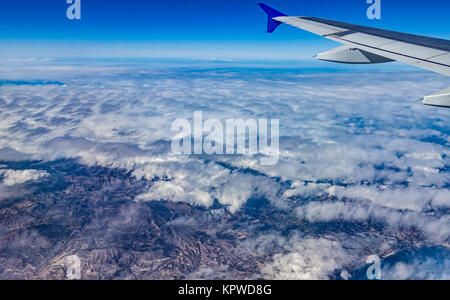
<point x="366" y="45"/>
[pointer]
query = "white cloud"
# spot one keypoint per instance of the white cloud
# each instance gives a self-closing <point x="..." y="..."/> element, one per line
<point x="435" y="229"/>
<point x="13" y="177"/>
<point x="308" y="259"/>
<point x="173" y="192"/>
<point x="304" y="189"/>
<point x="359" y="130"/>
<point x="357" y="138"/>
<point x="402" y="198"/>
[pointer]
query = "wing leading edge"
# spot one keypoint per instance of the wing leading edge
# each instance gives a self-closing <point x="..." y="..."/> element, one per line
<point x="371" y="45"/>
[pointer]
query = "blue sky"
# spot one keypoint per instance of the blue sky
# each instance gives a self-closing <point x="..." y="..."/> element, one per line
<point x="193" y="29"/>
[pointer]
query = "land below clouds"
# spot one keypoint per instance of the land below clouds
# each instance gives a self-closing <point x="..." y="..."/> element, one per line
<point x="91" y="212"/>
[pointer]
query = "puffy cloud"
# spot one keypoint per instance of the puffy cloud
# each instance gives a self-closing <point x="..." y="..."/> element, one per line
<point x="198" y="183"/>
<point x="305" y="189"/>
<point x="239" y="188"/>
<point x="172" y="192"/>
<point x="402" y="198"/>
<point x="13" y="177"/>
<point x="436" y="229"/>
<point x="441" y="199"/>
<point x="307" y="259"/>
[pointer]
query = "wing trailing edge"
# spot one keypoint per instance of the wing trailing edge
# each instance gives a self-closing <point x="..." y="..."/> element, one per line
<point x="349" y="55"/>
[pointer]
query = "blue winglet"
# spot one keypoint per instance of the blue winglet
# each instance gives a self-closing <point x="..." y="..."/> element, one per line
<point x="272" y="13"/>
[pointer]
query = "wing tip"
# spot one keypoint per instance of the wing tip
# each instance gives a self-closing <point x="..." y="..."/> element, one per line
<point x="271" y="13"/>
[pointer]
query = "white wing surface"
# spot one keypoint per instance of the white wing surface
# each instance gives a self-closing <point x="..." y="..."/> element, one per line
<point x="363" y="45"/>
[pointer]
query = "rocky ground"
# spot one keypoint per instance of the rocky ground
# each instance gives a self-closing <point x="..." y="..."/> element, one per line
<point x="91" y="212"/>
